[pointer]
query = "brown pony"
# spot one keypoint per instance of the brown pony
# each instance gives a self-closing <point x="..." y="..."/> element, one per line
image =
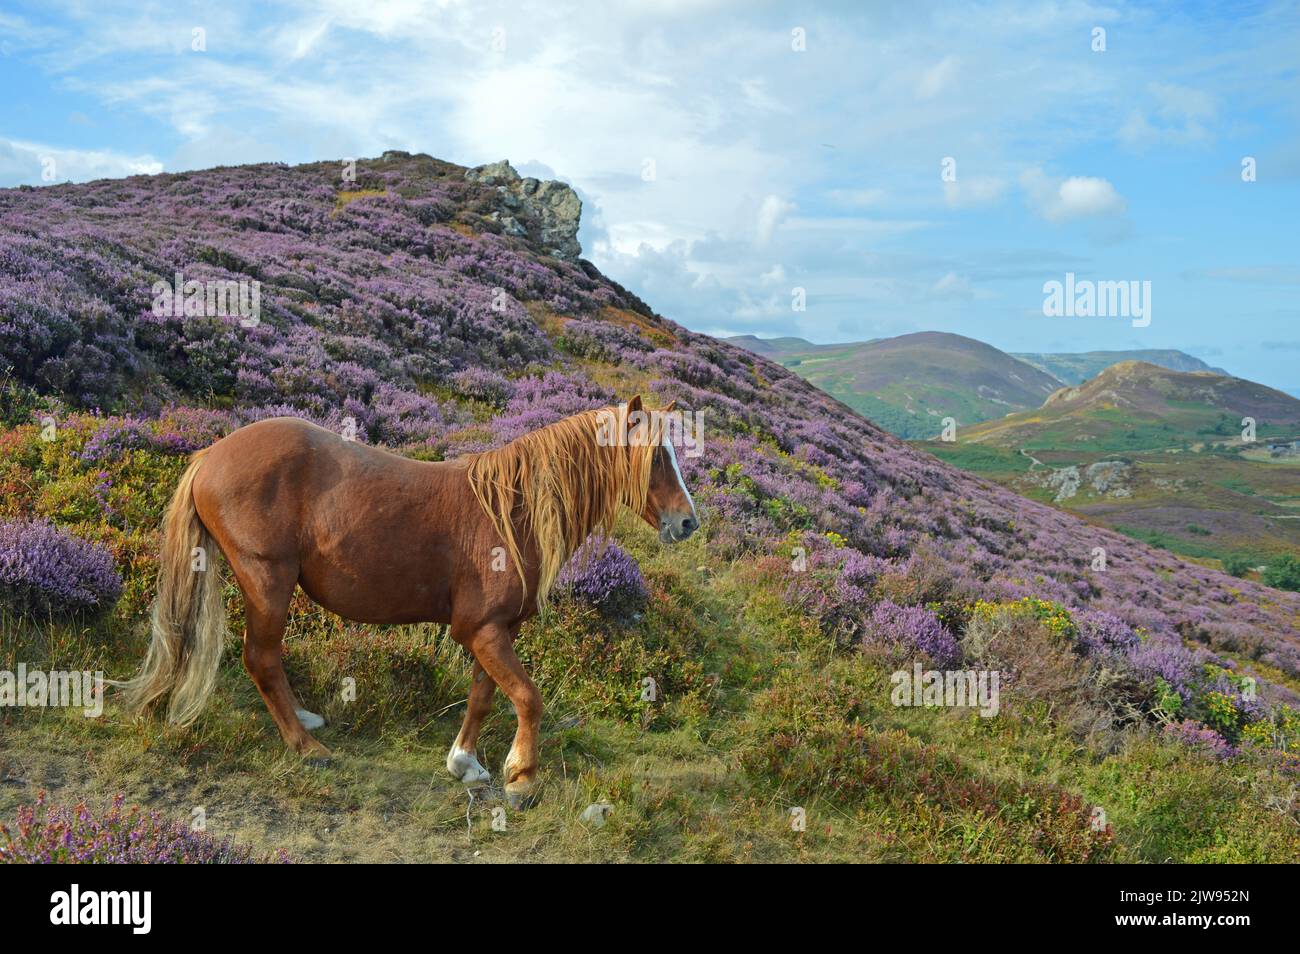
<point x="377" y="538"/>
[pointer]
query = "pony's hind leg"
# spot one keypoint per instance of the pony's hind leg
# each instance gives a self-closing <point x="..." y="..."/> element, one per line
<point x="462" y="760"/>
<point x="310" y="720"/>
<point x="263" y="658"/>
<point x="266" y="602"/>
<point x="492" y="647"/>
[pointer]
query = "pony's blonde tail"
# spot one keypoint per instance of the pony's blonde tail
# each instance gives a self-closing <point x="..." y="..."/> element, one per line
<point x="189" y="617"/>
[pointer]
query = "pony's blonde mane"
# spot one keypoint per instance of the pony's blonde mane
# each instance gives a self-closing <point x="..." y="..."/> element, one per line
<point x="561" y="483"/>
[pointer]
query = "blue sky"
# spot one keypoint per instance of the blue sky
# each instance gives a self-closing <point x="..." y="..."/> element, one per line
<point x="774" y="168"/>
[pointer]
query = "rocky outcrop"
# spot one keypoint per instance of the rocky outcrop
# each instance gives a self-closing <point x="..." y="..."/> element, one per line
<point x="1107" y="478"/>
<point x="1110" y="477"/>
<point x="1065" y="481"/>
<point x="548" y="212"/>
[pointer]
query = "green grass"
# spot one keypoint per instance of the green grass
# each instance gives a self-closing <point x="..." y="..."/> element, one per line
<point x="978" y="458"/>
<point x="890" y="417"/>
<point x="1182" y="545"/>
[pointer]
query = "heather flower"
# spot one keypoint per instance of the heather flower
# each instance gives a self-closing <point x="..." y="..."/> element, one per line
<point x="603" y="575"/>
<point x="1201" y="737"/>
<point x="857" y="575"/>
<point x="538" y="401"/>
<point x="44" y="834"/>
<point x="46" y="571"/>
<point x="482" y="384"/>
<point x="913" y="628"/>
<point x="1165" y="657"/>
<point x="1104" y="633"/>
<point x="182" y="430"/>
<point x="115" y="437"/>
<point x="603" y="341"/>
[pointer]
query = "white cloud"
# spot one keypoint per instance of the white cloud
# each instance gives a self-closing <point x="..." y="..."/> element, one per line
<point x="1074" y="197"/>
<point x="771" y="213"/>
<point x="1179" y="115"/>
<point x="629" y="237"/>
<point x="952" y="286"/>
<point x="854" y="225"/>
<point x="937" y="78"/>
<point x="305" y="42"/>
<point x="25" y="163"/>
<point x="1183" y="102"/>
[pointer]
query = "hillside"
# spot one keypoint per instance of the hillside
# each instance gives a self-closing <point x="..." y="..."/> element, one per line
<point x="1077" y="367"/>
<point x="1134" y="405"/>
<point x="437" y="311"/>
<point x="1158" y="455"/>
<point x="910" y="383"/>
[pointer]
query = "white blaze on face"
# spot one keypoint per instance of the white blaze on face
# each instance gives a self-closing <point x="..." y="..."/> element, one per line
<point x="672" y="457"/>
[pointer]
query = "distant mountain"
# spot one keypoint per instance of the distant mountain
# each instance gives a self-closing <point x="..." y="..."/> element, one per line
<point x="1077" y="368"/>
<point x="771" y="346"/>
<point x="1134" y="405"/>
<point x="909" y="384"/>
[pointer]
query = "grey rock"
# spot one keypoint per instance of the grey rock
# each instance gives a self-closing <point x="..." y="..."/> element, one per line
<point x="1107" y="477"/>
<point x="1065" y="481"/>
<point x="493" y="173"/>
<point x="553" y="206"/>
<point x="513" y="226"/>
<point x="1110" y="477"/>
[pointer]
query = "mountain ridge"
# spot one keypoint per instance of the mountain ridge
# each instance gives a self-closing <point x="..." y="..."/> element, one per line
<point x="1068" y="367"/>
<point x="1190" y="405"/>
<point x="1077" y="367"/>
<point x="910" y="383"/>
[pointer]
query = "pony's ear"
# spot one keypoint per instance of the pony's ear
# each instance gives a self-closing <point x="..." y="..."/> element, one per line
<point x="670" y="406"/>
<point x="634" y="404"/>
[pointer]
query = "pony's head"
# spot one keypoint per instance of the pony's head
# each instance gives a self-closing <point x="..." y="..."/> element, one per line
<point x="563" y="481"/>
<point x="668" y="508"/>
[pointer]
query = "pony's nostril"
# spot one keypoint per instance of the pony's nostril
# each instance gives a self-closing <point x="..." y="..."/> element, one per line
<point x="689" y="524"/>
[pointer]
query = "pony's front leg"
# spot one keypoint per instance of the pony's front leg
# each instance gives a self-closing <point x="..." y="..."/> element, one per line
<point x="492" y="645"/>
<point x="462" y="760"/>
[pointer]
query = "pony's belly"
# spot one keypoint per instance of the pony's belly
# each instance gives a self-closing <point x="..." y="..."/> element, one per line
<point x="378" y="600"/>
<point x="390" y="583"/>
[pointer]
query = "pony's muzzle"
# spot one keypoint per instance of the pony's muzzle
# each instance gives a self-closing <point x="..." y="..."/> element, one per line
<point x="677" y="528"/>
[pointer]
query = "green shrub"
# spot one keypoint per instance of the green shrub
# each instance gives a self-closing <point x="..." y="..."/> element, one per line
<point x="1283" y="573"/>
<point x="1236" y="564"/>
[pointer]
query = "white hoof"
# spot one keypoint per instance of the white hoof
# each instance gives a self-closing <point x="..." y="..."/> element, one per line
<point x="310" y="720"/>
<point x="464" y="766"/>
